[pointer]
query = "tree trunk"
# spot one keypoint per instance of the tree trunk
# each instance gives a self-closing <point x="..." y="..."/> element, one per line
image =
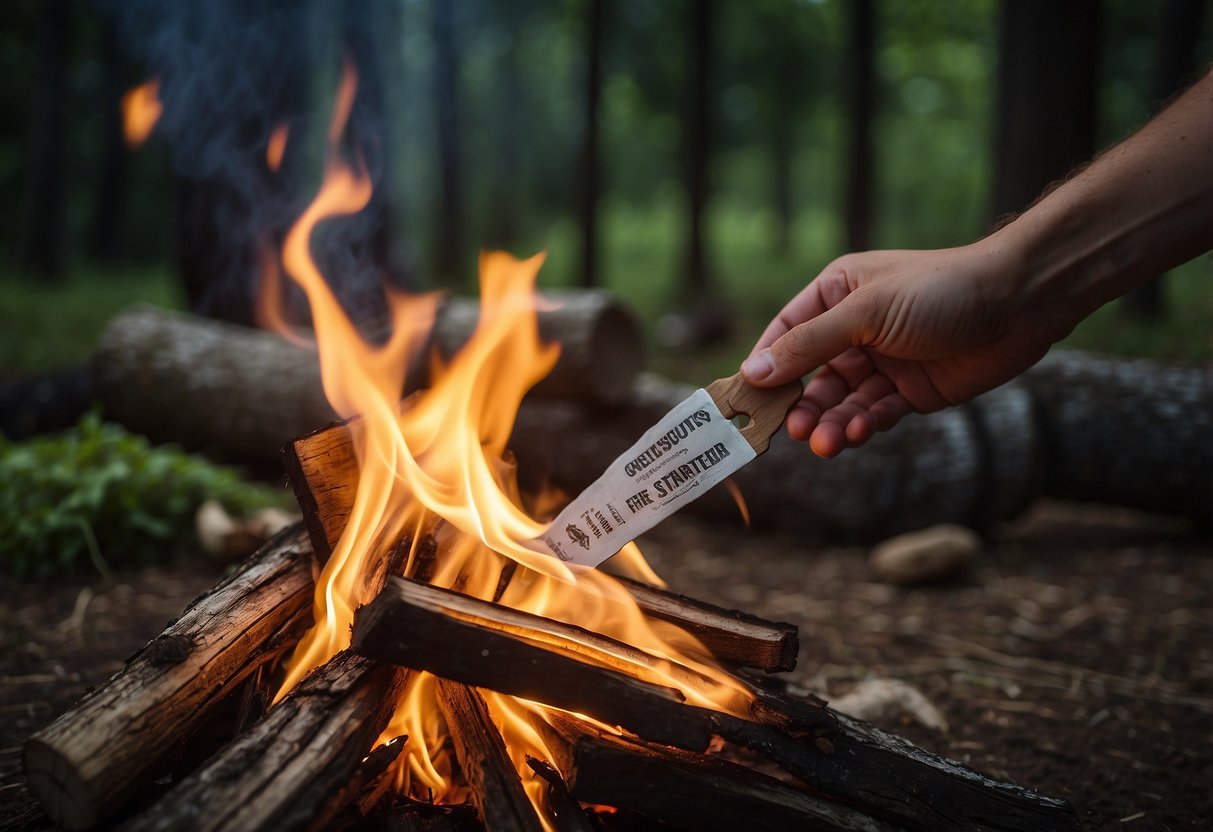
<point x="1175" y="65"/>
<point x="1048" y="59"/>
<point x="44" y="236"/>
<point x="122" y="735"/>
<point x="697" y="144"/>
<point x="110" y="193"/>
<point x="449" y="253"/>
<point x="861" y="98"/>
<point x="292" y="766"/>
<point x="590" y="186"/>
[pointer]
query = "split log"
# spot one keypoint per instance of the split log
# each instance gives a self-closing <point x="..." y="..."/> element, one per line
<point x="698" y="791"/>
<point x="241" y="394"/>
<point x="289" y="769"/>
<point x="485" y="645"/>
<point x="496" y="787"/>
<point x="123" y="734"/>
<point x="324" y="474"/>
<point x="733" y="637"/>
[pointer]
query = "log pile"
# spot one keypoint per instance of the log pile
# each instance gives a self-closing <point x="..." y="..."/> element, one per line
<point x="308" y="763"/>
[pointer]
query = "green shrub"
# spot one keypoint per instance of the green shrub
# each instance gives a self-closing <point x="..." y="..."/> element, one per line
<point x="98" y="493"/>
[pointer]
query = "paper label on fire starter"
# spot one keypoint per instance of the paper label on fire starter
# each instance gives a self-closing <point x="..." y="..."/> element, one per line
<point x="689" y="450"/>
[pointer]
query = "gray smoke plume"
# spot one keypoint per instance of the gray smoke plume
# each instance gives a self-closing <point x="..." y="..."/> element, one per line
<point x="230" y="72"/>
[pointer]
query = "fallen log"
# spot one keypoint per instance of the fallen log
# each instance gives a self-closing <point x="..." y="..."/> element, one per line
<point x="291" y="768"/>
<point x="496" y="788"/>
<point x="698" y="791"/>
<point x="240" y="394"/>
<point x="122" y="735"/>
<point x="485" y="645"/>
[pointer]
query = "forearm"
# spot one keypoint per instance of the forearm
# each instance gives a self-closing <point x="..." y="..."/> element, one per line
<point x="1139" y="209"/>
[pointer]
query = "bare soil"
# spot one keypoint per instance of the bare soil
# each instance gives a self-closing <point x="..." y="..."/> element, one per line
<point x="1076" y="657"/>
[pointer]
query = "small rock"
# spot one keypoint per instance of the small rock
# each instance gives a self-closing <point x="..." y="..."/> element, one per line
<point x="874" y="700"/>
<point x="229" y="539"/>
<point x="926" y="556"/>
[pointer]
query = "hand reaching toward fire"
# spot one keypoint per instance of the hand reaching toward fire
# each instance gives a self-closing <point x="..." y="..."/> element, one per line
<point x="895" y="332"/>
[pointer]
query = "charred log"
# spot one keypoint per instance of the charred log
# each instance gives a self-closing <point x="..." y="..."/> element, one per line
<point x="483" y="644"/>
<point x="291" y="769"/>
<point x="685" y="789"/>
<point x="486" y="645"/>
<point x="121" y="736"/>
<point x="496" y="788"/>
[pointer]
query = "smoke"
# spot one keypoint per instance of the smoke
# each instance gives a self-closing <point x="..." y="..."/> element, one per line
<point x="231" y="72"/>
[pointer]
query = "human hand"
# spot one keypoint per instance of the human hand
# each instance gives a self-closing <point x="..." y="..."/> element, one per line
<point x="896" y="332"/>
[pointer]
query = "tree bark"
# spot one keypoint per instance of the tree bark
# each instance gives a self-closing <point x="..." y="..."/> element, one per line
<point x="289" y="769"/>
<point x="87" y="762"/>
<point x="496" y="787"/>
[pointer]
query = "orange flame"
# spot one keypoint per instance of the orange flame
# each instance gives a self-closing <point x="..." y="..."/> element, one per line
<point x="437" y="465"/>
<point x="141" y="109"/>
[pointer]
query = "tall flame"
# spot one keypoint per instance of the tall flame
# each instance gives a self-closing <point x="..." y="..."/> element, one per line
<point x="437" y="464"/>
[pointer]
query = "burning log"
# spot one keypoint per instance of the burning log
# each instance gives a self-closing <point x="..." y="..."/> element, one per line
<point x="241" y="393"/>
<point x="291" y="770"/>
<point x="685" y="789"/>
<point x="122" y="735"/>
<point x="496" y="788"/>
<point x="483" y="644"/>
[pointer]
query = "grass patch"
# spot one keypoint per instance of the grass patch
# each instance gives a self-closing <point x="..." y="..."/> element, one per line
<point x="50" y="325"/>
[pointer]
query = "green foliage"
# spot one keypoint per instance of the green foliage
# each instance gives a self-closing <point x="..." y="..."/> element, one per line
<point x="49" y="325"/>
<point x="100" y="494"/>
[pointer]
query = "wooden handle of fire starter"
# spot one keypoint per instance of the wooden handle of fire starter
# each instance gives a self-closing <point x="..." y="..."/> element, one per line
<point x="766" y="407"/>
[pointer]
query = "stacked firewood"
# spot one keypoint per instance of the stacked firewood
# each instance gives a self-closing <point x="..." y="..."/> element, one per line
<point x="310" y="761"/>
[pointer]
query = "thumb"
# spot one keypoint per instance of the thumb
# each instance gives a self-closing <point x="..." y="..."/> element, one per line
<point x="802" y="349"/>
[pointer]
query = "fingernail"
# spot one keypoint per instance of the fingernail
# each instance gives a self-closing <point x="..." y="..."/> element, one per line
<point x="757" y="367"/>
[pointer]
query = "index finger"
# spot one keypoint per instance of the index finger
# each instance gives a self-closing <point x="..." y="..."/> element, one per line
<point x="806" y="305"/>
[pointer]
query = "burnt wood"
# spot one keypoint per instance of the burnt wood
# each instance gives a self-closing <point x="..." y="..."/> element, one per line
<point x="483" y="644"/>
<point x="496" y="787"/>
<point x="697" y="791"/>
<point x="486" y="645"/>
<point x="122" y="735"/>
<point x="293" y="767"/>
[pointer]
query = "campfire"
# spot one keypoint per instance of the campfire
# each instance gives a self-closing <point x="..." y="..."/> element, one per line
<point x="411" y="658"/>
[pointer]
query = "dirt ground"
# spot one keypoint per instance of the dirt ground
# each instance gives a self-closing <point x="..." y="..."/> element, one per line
<point x="1076" y="657"/>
